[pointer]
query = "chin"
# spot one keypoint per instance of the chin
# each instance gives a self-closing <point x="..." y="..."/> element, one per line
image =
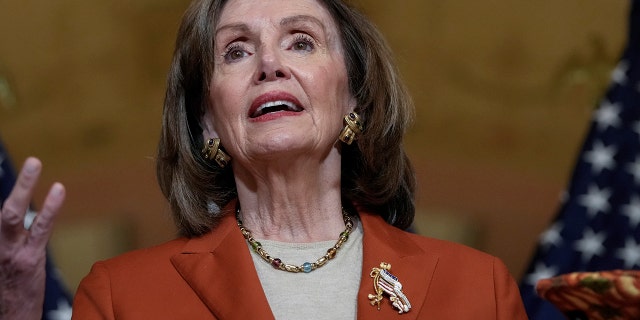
<point x="277" y="145"/>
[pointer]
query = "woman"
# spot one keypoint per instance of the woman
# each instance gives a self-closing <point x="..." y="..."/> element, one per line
<point x="281" y="156"/>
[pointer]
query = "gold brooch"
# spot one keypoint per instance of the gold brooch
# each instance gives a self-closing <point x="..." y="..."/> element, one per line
<point x="385" y="282"/>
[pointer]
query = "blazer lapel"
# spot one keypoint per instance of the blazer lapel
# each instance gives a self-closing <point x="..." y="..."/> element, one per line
<point x="219" y="268"/>
<point x="411" y="264"/>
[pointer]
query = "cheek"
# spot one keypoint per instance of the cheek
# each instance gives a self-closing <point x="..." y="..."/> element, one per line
<point x="337" y="74"/>
<point x="228" y="84"/>
<point x="332" y="92"/>
<point x="330" y="83"/>
<point x="225" y="104"/>
<point x="338" y="86"/>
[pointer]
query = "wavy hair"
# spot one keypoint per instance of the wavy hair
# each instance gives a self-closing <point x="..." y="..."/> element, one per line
<point x="376" y="173"/>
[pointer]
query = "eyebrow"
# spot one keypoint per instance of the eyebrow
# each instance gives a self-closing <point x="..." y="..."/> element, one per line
<point x="242" y="27"/>
<point x="233" y="27"/>
<point x="302" y="18"/>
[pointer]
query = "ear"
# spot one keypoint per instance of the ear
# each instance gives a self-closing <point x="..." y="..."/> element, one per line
<point x="208" y="131"/>
<point x="353" y="103"/>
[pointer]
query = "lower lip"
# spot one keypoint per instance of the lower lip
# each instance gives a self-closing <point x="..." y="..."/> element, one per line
<point x="275" y="115"/>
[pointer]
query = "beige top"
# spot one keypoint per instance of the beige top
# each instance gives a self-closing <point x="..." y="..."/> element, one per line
<point x="328" y="292"/>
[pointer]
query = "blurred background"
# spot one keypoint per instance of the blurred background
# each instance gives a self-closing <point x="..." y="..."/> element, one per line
<point x="504" y="92"/>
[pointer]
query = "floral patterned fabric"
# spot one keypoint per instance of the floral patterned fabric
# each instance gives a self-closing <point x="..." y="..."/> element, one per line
<point x="605" y="295"/>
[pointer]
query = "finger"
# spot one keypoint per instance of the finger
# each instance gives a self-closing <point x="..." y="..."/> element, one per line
<point x="15" y="206"/>
<point x="42" y="226"/>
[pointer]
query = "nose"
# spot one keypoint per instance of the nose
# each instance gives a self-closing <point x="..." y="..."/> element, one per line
<point x="270" y="76"/>
<point x="271" y="67"/>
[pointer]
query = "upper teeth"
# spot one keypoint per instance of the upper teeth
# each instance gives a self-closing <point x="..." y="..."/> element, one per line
<point x="270" y="104"/>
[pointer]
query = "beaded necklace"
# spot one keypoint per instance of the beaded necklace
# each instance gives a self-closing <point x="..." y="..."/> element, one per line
<point x="305" y="267"/>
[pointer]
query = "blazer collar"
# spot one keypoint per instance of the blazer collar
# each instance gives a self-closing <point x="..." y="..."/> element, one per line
<point x="219" y="268"/>
<point x="410" y="263"/>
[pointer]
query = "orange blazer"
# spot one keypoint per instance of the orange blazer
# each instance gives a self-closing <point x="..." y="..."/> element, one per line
<point x="213" y="277"/>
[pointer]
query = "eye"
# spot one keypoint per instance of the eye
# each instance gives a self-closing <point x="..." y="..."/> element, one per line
<point x="234" y="53"/>
<point x="303" y="42"/>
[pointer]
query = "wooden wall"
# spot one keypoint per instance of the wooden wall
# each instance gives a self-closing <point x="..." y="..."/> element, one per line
<point x="503" y="89"/>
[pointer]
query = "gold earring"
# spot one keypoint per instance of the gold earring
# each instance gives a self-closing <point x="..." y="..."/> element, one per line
<point x="212" y="151"/>
<point x="352" y="128"/>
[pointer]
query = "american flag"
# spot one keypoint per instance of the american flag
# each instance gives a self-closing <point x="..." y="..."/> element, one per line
<point x="598" y="225"/>
<point x="57" y="301"/>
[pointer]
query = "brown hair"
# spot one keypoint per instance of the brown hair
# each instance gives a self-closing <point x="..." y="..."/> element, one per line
<point x="376" y="173"/>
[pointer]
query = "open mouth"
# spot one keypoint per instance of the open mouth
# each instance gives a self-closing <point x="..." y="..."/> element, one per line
<point x="275" y="106"/>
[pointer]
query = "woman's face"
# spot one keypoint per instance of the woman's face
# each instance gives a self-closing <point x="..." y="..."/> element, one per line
<point x="279" y="85"/>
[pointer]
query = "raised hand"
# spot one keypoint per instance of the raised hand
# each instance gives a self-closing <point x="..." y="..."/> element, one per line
<point x="23" y="251"/>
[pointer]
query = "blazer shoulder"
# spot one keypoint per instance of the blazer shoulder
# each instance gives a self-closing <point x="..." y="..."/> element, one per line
<point x="145" y="257"/>
<point x="407" y="243"/>
<point x="449" y="251"/>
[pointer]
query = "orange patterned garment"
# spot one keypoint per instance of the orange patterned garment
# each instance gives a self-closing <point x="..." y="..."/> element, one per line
<point x="604" y="295"/>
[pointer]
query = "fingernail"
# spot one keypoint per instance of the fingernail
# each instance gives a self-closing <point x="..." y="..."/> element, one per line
<point x="31" y="165"/>
<point x="58" y="189"/>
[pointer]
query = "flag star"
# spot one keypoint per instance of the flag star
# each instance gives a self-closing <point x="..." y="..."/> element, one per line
<point x="601" y="157"/>
<point x="630" y="254"/>
<point x="634" y="169"/>
<point x="63" y="312"/>
<point x="552" y="237"/>
<point x="619" y="74"/>
<point x="541" y="271"/>
<point x="590" y="245"/>
<point x="608" y="114"/>
<point x="632" y="210"/>
<point x="595" y="200"/>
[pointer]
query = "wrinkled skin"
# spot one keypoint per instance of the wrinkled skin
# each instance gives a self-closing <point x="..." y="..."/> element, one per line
<point x="22" y="251"/>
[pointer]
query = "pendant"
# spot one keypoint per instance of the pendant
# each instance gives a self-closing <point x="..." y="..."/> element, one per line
<point x="385" y="282"/>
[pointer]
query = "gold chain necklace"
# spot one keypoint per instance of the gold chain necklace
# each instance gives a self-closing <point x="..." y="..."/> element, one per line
<point x="307" y="266"/>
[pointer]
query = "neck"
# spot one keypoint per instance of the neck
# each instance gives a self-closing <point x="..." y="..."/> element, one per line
<point x="292" y="201"/>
